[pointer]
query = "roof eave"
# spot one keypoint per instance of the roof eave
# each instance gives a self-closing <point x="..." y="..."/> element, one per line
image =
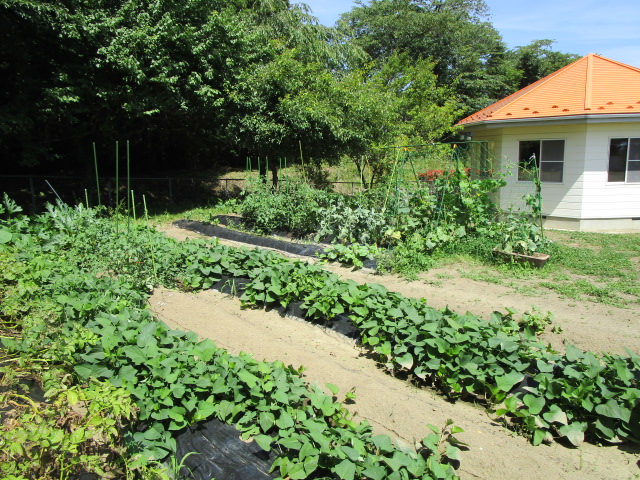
<point x="586" y="118"/>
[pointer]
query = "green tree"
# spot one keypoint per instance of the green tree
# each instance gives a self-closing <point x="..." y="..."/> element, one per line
<point x="467" y="52"/>
<point x="395" y="103"/>
<point x="170" y="76"/>
<point x="538" y="60"/>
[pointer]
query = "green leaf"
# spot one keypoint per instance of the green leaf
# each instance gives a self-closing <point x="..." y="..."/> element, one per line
<point x="539" y="436"/>
<point x="453" y="452"/>
<point x="384" y="349"/>
<point x="375" y="472"/>
<point x="573" y="354"/>
<point x="555" y="415"/>
<point x="155" y="432"/>
<point x="606" y="426"/>
<point x="5" y="236"/>
<point x="506" y="382"/>
<point x="383" y="443"/>
<point x="311" y="465"/>
<point x="146" y="334"/>
<point x="77" y="436"/>
<point x="290" y="443"/>
<point x="87" y="370"/>
<point x="176" y="413"/>
<point x="397" y="461"/>
<point x="264" y="441"/>
<point x="204" y="411"/>
<point x="249" y="378"/>
<point x="574" y="432"/>
<point x="284" y="421"/>
<point x="296" y="471"/>
<point x="405" y="361"/>
<point x="346" y="469"/>
<point x="281" y="397"/>
<point x="351" y="453"/>
<point x="135" y="354"/>
<point x="267" y="420"/>
<point x="205" y="350"/>
<point x="332" y="388"/>
<point x="535" y="403"/>
<point x="307" y="450"/>
<point x="611" y="409"/>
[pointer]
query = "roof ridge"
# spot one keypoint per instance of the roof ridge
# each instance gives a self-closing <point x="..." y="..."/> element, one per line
<point x="588" y="88"/>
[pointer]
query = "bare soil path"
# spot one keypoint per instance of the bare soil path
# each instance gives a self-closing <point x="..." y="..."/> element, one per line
<point x="395" y="407"/>
<point x="587" y="325"/>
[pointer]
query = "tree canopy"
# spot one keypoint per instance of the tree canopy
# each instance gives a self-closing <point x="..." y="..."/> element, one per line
<point x="198" y="83"/>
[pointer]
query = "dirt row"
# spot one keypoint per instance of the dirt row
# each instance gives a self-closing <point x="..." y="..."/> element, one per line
<point x="395" y="407"/>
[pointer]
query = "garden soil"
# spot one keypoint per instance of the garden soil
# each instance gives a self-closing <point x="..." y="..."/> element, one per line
<point x="395" y="407"/>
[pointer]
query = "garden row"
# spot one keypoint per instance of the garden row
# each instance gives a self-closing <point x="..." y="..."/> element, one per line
<point x="544" y="392"/>
<point x="452" y="212"/>
<point x="92" y="282"/>
<point x="74" y="289"/>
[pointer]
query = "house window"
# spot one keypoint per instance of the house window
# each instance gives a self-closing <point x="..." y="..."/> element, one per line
<point x="624" y="160"/>
<point x="545" y="155"/>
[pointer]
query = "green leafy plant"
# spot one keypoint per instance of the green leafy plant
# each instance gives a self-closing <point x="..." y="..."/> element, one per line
<point x="534" y="320"/>
<point x="522" y="232"/>
<point x="517" y="234"/>
<point x="541" y="392"/>
<point x="353" y="254"/>
<point x="78" y="430"/>
<point x="291" y="208"/>
<point x="342" y="222"/>
<point x="101" y="330"/>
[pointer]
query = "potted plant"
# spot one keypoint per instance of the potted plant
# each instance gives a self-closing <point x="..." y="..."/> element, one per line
<point x="520" y="240"/>
<point x="521" y="237"/>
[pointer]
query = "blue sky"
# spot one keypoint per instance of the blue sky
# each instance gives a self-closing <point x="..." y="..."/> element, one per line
<point x="608" y="27"/>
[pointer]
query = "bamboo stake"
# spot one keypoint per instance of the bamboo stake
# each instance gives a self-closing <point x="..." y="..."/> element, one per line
<point x="128" y="190"/>
<point x="133" y="203"/>
<point x="117" y="186"/>
<point x="95" y="162"/>
<point x="146" y="215"/>
<point x="304" y="172"/>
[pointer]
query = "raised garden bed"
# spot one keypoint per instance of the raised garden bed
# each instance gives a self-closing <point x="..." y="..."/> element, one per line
<point x="296" y="248"/>
<point x="537" y="260"/>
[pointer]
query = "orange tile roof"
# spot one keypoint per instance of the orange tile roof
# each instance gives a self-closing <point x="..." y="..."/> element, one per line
<point x="593" y="85"/>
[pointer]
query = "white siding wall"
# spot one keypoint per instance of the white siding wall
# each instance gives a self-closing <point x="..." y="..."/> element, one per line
<point x="602" y="199"/>
<point x="559" y="199"/>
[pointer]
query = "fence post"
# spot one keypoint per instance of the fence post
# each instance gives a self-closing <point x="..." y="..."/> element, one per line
<point x="226" y="187"/>
<point x="33" y="193"/>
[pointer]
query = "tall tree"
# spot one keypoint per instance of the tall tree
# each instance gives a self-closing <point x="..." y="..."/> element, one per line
<point x="466" y="50"/>
<point x="170" y="76"/>
<point x="537" y="60"/>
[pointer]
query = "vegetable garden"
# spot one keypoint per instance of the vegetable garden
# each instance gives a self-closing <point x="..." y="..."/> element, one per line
<point x="428" y="199"/>
<point x="117" y="385"/>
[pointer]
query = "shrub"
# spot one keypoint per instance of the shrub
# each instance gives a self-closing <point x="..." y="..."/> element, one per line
<point x="343" y="223"/>
<point x="292" y="208"/>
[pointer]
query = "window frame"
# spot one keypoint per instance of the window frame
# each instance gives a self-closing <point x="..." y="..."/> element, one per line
<point x="540" y="161"/>
<point x="626" y="180"/>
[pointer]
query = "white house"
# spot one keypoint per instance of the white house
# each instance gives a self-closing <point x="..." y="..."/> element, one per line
<point x="581" y="126"/>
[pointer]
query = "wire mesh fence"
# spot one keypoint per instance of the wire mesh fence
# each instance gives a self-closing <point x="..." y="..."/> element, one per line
<point x="32" y="192"/>
<point x="412" y="166"/>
